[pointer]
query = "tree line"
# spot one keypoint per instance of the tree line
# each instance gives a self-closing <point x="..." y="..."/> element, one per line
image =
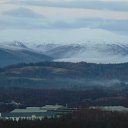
<point x="85" y="118"/>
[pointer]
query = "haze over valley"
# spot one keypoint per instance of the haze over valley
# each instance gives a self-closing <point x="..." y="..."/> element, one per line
<point x="64" y="63"/>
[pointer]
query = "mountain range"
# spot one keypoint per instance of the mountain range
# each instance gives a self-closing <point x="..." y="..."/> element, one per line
<point x="17" y="52"/>
<point x="20" y="52"/>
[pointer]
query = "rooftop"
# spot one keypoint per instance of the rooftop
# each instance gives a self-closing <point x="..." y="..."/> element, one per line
<point x="29" y="109"/>
<point x="53" y="107"/>
<point x="39" y="109"/>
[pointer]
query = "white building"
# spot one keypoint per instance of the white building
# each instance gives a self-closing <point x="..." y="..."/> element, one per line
<point x="49" y="111"/>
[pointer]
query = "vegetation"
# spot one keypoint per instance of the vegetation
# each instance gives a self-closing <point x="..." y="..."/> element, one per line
<point x="75" y="84"/>
<point x="63" y="69"/>
<point x="62" y="75"/>
<point x="79" y="119"/>
<point x="73" y="98"/>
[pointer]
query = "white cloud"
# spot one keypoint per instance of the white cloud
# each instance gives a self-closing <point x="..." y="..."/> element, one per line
<point x="61" y="36"/>
<point x="61" y="0"/>
<point x="54" y="16"/>
<point x="117" y="5"/>
<point x="114" y="0"/>
<point x="77" y="13"/>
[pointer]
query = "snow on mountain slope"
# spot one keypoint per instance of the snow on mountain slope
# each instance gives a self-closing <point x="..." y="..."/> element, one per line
<point x="17" y="52"/>
<point x="96" y="53"/>
<point x="66" y="51"/>
<point x="88" y="51"/>
<point x="13" y="45"/>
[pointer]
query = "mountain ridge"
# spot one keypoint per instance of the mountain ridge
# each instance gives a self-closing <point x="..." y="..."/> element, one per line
<point x="64" y="75"/>
<point x="17" y="52"/>
<point x="77" y="52"/>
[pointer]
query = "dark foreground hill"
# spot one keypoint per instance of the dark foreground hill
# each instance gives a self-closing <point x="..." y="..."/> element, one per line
<point x="64" y="75"/>
<point x="75" y="84"/>
<point x="10" y="56"/>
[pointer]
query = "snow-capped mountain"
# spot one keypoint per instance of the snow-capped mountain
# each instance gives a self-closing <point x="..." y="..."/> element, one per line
<point x="13" y="45"/>
<point x="87" y="51"/>
<point x="17" y="52"/>
<point x="95" y="53"/>
<point x="18" y="44"/>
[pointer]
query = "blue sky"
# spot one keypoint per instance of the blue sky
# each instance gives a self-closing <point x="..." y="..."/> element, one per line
<point x="63" y="20"/>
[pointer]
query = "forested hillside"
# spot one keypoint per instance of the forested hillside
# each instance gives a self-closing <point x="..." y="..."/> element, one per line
<point x="64" y="75"/>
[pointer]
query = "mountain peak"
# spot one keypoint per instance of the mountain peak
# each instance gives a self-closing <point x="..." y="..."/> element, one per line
<point x="18" y="44"/>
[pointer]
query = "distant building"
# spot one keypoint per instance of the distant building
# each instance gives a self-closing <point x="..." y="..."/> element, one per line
<point x="53" y="107"/>
<point x="48" y="111"/>
<point x="28" y="110"/>
<point x="15" y="103"/>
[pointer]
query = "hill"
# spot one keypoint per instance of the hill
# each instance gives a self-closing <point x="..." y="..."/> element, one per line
<point x="17" y="52"/>
<point x="64" y="75"/>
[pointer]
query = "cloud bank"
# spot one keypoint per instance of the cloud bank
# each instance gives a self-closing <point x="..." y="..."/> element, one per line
<point x="62" y="15"/>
